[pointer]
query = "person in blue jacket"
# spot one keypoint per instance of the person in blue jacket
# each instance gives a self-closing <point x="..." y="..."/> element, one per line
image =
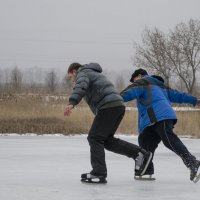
<point x="156" y="118"/>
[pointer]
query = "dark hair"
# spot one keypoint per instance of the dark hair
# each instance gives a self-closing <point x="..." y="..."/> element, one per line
<point x="137" y="72"/>
<point x="73" y="66"/>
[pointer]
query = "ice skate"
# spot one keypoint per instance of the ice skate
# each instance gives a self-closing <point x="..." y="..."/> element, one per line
<point x="195" y="172"/>
<point x="90" y="178"/>
<point x="147" y="176"/>
<point x="142" y="161"/>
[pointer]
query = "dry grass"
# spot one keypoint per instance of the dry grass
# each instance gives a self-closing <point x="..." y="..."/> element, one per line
<point x="27" y="116"/>
<point x="188" y="123"/>
<point x="129" y="123"/>
<point x="38" y="117"/>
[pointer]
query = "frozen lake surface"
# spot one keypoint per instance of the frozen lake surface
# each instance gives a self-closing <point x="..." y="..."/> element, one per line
<point x="49" y="168"/>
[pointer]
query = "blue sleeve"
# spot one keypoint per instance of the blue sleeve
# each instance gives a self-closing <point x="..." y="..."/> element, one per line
<point x="180" y="97"/>
<point x="131" y="94"/>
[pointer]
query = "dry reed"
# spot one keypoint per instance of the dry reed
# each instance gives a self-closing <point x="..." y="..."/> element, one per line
<point x="28" y="116"/>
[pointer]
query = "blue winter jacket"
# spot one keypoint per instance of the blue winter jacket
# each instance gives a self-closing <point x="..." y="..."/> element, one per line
<point x="154" y="100"/>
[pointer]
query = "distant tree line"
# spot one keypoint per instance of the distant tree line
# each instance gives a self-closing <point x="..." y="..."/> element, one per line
<point x="13" y="80"/>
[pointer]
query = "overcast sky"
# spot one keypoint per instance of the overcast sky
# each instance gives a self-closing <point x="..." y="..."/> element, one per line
<point x="54" y="33"/>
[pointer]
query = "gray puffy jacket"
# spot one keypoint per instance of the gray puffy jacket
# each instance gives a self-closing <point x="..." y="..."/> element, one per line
<point x="95" y="88"/>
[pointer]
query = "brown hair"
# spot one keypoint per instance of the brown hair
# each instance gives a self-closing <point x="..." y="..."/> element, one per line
<point x="73" y="66"/>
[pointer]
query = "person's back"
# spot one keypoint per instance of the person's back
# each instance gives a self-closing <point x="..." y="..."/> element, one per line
<point x="158" y="107"/>
<point x="154" y="100"/>
<point x="100" y="92"/>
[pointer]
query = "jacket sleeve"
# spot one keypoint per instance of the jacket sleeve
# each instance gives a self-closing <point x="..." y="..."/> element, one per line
<point x="80" y="88"/>
<point x="132" y="92"/>
<point x="180" y="97"/>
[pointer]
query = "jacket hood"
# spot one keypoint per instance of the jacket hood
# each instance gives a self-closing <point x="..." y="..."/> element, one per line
<point x="156" y="78"/>
<point x="91" y="66"/>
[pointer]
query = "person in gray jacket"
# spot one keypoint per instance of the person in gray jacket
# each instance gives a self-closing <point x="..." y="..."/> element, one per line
<point x="108" y="108"/>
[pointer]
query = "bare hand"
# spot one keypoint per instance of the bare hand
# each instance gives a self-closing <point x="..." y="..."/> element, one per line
<point x="68" y="110"/>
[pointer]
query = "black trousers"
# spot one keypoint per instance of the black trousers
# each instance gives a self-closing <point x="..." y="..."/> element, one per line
<point x="101" y="135"/>
<point x="163" y="131"/>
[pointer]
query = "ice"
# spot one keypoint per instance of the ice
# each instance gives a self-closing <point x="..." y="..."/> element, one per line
<point x="49" y="168"/>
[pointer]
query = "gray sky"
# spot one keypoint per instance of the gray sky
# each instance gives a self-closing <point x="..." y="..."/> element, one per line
<point x="54" y="33"/>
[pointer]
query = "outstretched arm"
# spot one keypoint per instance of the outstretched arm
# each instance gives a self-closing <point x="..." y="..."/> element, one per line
<point x="180" y="97"/>
<point x="79" y="90"/>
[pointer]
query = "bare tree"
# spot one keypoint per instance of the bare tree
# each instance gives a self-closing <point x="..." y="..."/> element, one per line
<point x="51" y="81"/>
<point x="177" y="53"/>
<point x="152" y="53"/>
<point x="16" y="78"/>
<point x="184" y="52"/>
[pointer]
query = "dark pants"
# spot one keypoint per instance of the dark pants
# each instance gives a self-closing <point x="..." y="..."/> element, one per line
<point x="101" y="136"/>
<point x="163" y="131"/>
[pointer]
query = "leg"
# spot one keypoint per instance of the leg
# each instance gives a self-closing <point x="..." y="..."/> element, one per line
<point x="122" y="147"/>
<point x="171" y="141"/>
<point x="149" y="141"/>
<point x="105" y="123"/>
<point x="165" y="130"/>
<point x="117" y="145"/>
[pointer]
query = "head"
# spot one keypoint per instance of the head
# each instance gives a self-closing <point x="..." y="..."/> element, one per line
<point x="138" y="74"/>
<point x="72" y="71"/>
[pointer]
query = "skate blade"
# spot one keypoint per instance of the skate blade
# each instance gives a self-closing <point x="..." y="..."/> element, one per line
<point x="94" y="181"/>
<point x="144" y="178"/>
<point x="197" y="178"/>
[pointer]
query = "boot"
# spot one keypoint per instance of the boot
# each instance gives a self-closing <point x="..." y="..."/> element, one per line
<point x="195" y="171"/>
<point x="142" y="161"/>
